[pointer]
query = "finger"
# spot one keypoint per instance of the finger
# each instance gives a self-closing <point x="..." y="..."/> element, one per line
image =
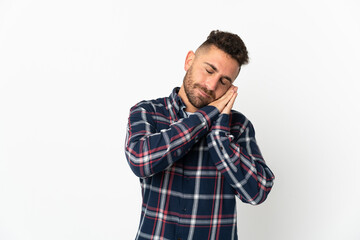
<point x="227" y="96"/>
<point x="229" y="106"/>
<point x="232" y="100"/>
<point x="230" y="90"/>
<point x="221" y="102"/>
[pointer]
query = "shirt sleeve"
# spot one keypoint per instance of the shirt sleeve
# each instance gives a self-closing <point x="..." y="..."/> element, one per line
<point x="150" y="150"/>
<point x="239" y="159"/>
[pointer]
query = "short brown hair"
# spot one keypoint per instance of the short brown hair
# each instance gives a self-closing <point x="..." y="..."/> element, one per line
<point x="229" y="43"/>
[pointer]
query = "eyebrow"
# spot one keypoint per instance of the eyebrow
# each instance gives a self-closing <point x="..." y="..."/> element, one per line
<point x="216" y="70"/>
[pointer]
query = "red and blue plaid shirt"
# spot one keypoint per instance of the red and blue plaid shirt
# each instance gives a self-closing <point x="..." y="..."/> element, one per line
<point x="191" y="167"/>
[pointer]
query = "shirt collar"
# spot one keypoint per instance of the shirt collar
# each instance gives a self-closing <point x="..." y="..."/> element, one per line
<point x="176" y="101"/>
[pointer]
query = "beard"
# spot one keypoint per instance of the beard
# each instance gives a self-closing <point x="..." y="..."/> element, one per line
<point x="192" y="94"/>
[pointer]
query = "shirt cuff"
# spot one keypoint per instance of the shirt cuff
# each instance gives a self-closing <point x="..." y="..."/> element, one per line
<point x="221" y="126"/>
<point x="209" y="114"/>
<point x="222" y="123"/>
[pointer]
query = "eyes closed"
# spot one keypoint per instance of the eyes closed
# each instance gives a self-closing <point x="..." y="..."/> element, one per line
<point x="210" y="72"/>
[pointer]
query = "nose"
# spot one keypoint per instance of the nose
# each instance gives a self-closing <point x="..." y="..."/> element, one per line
<point x="211" y="83"/>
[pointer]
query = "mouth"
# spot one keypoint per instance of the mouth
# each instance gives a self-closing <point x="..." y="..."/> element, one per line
<point x="203" y="93"/>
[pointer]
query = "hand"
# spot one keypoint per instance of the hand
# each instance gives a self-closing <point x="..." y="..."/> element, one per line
<point x="230" y="104"/>
<point x="225" y="103"/>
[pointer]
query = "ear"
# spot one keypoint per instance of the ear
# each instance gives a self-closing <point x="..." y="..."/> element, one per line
<point x="189" y="60"/>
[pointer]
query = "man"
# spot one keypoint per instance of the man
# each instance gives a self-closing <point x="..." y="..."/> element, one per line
<point x="193" y="153"/>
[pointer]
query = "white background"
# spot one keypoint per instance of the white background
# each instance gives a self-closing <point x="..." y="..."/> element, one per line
<point x="70" y="70"/>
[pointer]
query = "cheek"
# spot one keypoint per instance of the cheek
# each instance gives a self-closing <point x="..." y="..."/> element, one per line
<point x="198" y="77"/>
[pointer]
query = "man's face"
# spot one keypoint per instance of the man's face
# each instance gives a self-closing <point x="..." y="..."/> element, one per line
<point x="209" y="74"/>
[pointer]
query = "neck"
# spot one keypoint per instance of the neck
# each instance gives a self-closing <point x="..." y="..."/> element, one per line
<point x="189" y="107"/>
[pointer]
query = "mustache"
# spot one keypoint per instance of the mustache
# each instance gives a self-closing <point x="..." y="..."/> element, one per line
<point x="208" y="92"/>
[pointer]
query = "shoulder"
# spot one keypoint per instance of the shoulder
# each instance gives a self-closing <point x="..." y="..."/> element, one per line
<point x="239" y="122"/>
<point x="153" y="105"/>
<point x="154" y="112"/>
<point x="238" y="117"/>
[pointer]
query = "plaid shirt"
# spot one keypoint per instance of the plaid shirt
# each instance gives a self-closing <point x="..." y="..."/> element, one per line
<point x="191" y="167"/>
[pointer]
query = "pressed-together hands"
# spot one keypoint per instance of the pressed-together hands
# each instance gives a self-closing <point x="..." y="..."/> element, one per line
<point x="225" y="103"/>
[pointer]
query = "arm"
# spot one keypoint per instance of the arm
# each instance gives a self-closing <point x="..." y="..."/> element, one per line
<point x="150" y="150"/>
<point x="239" y="159"/>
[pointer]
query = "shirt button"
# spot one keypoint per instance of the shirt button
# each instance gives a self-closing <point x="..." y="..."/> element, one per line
<point x="184" y="210"/>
